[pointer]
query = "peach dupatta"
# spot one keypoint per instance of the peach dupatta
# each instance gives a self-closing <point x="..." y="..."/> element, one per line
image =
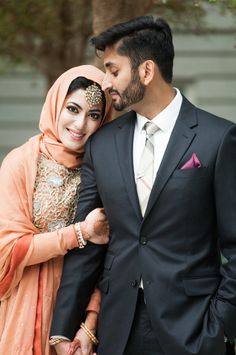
<point x="18" y="285"/>
<point x="17" y="177"/>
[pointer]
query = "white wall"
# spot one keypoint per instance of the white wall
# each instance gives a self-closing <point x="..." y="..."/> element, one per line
<point x="205" y="65"/>
<point x="21" y="98"/>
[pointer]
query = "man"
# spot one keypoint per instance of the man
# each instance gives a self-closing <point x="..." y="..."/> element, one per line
<point x="165" y="173"/>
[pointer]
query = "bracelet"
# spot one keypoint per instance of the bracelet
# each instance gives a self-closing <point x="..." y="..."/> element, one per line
<point x="79" y="236"/>
<point x="89" y="334"/>
<point x="55" y="341"/>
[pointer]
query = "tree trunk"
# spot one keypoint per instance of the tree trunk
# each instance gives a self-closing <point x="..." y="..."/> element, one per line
<point x="109" y="12"/>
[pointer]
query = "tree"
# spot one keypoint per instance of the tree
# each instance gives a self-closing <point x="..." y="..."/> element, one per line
<point x="52" y="35"/>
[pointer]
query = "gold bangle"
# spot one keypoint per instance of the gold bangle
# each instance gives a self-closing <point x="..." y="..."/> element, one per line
<point x="55" y="341"/>
<point x="89" y="333"/>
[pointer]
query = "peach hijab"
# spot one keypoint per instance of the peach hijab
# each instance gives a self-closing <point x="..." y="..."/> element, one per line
<point x="50" y="143"/>
<point x="17" y="179"/>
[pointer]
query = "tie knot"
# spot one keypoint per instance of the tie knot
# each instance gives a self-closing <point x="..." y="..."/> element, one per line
<point x="150" y="128"/>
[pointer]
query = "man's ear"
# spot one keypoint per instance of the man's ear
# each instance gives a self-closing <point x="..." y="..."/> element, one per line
<point x="146" y="71"/>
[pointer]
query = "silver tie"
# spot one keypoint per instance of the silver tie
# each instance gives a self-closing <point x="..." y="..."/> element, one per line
<point x="146" y="167"/>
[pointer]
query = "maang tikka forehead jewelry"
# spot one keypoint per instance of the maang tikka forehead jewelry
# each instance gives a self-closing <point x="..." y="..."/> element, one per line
<point x="93" y="95"/>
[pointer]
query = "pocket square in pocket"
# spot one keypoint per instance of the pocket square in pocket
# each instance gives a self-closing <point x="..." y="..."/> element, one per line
<point x="193" y="162"/>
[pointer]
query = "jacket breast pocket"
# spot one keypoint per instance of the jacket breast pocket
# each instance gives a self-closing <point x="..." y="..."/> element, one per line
<point x="190" y="173"/>
<point x="199" y="286"/>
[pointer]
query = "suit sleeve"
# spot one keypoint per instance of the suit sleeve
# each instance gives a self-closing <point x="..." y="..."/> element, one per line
<point x="82" y="267"/>
<point x="225" y="197"/>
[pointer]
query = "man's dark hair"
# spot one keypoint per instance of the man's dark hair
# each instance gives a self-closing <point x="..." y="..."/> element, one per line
<point x="142" y="38"/>
<point x="82" y="83"/>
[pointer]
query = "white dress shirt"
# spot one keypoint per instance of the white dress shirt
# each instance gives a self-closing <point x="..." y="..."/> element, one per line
<point x="165" y="120"/>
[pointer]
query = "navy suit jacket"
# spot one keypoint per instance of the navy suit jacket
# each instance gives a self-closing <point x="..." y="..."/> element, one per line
<point x="176" y="247"/>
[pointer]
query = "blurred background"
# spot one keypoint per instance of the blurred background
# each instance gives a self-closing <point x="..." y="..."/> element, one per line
<point x="39" y="39"/>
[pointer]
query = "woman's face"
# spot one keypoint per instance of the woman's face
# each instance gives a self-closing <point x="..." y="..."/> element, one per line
<point x="78" y="120"/>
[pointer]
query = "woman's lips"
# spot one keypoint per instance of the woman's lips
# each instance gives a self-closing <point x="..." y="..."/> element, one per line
<point x="75" y="135"/>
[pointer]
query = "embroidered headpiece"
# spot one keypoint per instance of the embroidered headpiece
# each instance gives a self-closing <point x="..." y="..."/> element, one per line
<point x="93" y="95"/>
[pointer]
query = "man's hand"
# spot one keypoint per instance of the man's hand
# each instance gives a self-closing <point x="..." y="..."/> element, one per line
<point x="62" y="347"/>
<point x="68" y="348"/>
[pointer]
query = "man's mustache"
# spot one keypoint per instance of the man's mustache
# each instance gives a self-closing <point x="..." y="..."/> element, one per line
<point x="113" y="91"/>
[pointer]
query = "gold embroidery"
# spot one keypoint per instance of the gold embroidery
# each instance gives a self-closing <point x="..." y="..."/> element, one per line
<point x="55" y="195"/>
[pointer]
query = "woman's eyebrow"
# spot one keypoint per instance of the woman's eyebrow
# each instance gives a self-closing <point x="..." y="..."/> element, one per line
<point x="74" y="103"/>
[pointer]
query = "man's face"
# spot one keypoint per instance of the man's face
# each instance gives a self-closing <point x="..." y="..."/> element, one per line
<point x="122" y="82"/>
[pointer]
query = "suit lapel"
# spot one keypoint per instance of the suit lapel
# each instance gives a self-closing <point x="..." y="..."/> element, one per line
<point x="180" y="140"/>
<point x="124" y="146"/>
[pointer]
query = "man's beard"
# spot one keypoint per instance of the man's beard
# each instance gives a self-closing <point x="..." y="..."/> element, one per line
<point x="133" y="93"/>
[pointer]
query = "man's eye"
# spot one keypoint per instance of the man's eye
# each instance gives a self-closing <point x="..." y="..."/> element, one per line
<point x="95" y="116"/>
<point x="72" y="109"/>
<point x="114" y="73"/>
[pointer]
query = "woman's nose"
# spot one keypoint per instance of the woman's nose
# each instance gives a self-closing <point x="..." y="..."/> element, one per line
<point x="80" y="122"/>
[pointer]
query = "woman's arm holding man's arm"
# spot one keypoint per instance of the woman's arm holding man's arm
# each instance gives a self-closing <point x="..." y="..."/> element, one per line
<point x="82" y="267"/>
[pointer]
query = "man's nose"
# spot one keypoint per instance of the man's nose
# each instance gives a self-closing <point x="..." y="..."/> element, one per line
<point x="106" y="84"/>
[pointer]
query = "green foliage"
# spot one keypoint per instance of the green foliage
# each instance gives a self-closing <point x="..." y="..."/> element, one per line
<point x="190" y="14"/>
<point x="183" y="14"/>
<point x="33" y="29"/>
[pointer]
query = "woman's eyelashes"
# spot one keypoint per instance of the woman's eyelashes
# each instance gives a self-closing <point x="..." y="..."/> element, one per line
<point x="95" y="115"/>
<point x="72" y="108"/>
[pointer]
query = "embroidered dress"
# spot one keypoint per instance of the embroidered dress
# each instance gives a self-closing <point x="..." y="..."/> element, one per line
<point x="55" y="195"/>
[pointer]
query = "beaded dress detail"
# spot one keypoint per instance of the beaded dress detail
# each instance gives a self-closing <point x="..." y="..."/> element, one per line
<point x="55" y="195"/>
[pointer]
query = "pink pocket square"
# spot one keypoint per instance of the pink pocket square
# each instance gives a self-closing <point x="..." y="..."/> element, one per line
<point x="193" y="162"/>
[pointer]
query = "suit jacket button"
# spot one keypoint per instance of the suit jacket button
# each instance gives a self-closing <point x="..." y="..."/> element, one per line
<point x="143" y="240"/>
<point x="134" y="283"/>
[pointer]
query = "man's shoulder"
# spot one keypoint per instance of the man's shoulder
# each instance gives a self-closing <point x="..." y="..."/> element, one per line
<point x="118" y="122"/>
<point x="206" y="118"/>
<point x="212" y="120"/>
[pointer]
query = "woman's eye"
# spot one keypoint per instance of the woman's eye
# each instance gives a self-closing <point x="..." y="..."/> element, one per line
<point x="72" y="109"/>
<point x="95" y="116"/>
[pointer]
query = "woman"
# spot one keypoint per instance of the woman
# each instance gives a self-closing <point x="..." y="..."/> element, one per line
<point x="38" y="189"/>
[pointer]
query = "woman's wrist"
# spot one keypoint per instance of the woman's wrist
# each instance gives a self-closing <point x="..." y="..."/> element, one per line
<point x="89" y="333"/>
<point x="83" y="228"/>
<point x="80" y="236"/>
<point x="91" y="321"/>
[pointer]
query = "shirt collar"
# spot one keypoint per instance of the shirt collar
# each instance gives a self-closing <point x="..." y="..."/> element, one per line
<point x="166" y="119"/>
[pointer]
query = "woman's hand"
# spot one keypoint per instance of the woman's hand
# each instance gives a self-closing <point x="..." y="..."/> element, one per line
<point x="95" y="227"/>
<point x="81" y="345"/>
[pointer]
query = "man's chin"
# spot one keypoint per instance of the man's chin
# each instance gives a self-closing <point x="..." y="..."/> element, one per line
<point x="118" y="107"/>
